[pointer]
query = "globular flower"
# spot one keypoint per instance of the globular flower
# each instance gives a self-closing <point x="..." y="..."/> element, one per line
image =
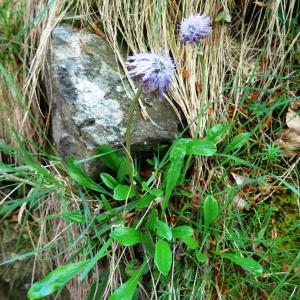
<point x="194" y="28"/>
<point x="154" y="71"/>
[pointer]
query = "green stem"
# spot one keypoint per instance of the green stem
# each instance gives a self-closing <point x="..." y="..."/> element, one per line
<point x="132" y="108"/>
<point x="203" y="86"/>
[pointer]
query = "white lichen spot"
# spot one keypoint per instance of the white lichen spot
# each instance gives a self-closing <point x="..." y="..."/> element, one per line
<point x="90" y="92"/>
<point x="119" y="89"/>
<point x="123" y="131"/>
<point x="110" y="114"/>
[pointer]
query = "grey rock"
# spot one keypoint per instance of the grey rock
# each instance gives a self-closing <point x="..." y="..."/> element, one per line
<point x="89" y="100"/>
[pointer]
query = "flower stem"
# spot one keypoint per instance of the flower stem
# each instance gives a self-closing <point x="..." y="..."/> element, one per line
<point x="132" y="108"/>
<point x="203" y="86"/>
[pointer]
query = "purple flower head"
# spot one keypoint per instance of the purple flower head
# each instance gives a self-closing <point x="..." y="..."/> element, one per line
<point x="194" y="28"/>
<point x="153" y="71"/>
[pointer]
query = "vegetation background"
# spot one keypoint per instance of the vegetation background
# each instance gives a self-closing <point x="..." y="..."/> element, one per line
<point x="249" y="80"/>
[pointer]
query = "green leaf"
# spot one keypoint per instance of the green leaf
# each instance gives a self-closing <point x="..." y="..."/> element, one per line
<point x="238" y="161"/>
<point x="127" y="290"/>
<point x="105" y="203"/>
<point x="163" y="230"/>
<point x="81" y="177"/>
<point x="123" y="192"/>
<point x="151" y="219"/>
<point x="74" y="216"/>
<point x="202" y="147"/>
<point x="55" y="280"/>
<point x="248" y="264"/>
<point x="190" y="241"/>
<point x="163" y="257"/>
<point x="215" y="133"/>
<point x="171" y="177"/>
<point x="223" y="17"/>
<point x="186" y="234"/>
<point x="211" y="210"/>
<point x="123" y="169"/>
<point x="258" y="108"/>
<point x="109" y="157"/>
<point x="237" y="142"/>
<point x="148" y="243"/>
<point x="126" y="236"/>
<point x="152" y="191"/>
<point x="180" y="231"/>
<point x="108" y="180"/>
<point x="178" y="150"/>
<point x="201" y="257"/>
<point x="131" y="267"/>
<point x="144" y="201"/>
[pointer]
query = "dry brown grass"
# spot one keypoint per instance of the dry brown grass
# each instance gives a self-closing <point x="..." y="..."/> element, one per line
<point x="22" y="102"/>
<point x="13" y="107"/>
<point x="231" y="53"/>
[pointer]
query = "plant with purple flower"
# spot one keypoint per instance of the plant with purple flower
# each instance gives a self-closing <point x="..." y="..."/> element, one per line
<point x="194" y="28"/>
<point x="154" y="72"/>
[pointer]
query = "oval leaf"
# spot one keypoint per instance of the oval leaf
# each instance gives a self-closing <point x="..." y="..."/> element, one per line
<point x="126" y="236"/>
<point x="171" y="177"/>
<point x="237" y="142"/>
<point x="178" y="149"/>
<point x="223" y="17"/>
<point x="148" y="243"/>
<point x="163" y="230"/>
<point x="163" y="257"/>
<point x="181" y="231"/>
<point x="211" y="210"/>
<point x="151" y="219"/>
<point x="144" y="201"/>
<point x="55" y="280"/>
<point x="215" y="133"/>
<point x="108" y="180"/>
<point x="202" y="147"/>
<point x="123" y="192"/>
<point x="186" y="234"/>
<point x="248" y="264"/>
<point x="201" y="257"/>
<point x="190" y="242"/>
<point x="123" y="169"/>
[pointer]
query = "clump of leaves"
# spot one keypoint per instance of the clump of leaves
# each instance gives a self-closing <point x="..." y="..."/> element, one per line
<point x="150" y="229"/>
